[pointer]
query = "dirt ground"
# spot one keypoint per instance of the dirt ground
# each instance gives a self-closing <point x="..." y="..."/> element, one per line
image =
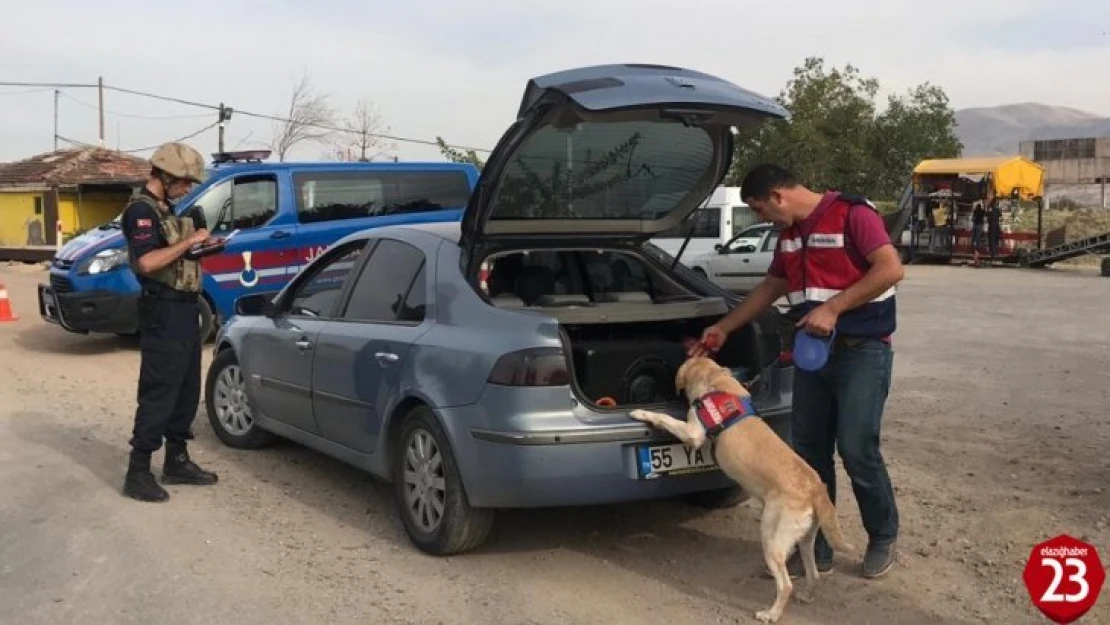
<point x="996" y="436"/>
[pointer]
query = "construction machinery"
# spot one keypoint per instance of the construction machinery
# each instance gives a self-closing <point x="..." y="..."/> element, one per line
<point x="936" y="222"/>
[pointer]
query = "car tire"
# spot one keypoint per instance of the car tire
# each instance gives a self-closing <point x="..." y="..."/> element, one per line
<point x="701" y="272"/>
<point x="1105" y="269"/>
<point x="729" y="497"/>
<point x="207" y="320"/>
<point x="458" y="527"/>
<point x="228" y="406"/>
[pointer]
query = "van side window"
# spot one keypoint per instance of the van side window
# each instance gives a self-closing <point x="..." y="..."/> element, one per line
<point x="391" y="286"/>
<point x="240" y="203"/>
<point x="253" y="201"/>
<point x="706" y="223"/>
<point x="336" y="195"/>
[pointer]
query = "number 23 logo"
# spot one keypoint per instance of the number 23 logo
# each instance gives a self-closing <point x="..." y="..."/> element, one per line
<point x="1052" y="594"/>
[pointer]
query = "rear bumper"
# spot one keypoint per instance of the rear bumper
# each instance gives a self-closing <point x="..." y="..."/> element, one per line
<point x="553" y="468"/>
<point x="89" y="311"/>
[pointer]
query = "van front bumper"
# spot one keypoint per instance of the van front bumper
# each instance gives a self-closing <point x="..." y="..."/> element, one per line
<point x="89" y="311"/>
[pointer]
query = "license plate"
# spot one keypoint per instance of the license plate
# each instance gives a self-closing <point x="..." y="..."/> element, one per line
<point x="656" y="461"/>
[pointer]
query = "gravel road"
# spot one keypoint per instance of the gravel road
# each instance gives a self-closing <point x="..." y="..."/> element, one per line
<point x="996" y="435"/>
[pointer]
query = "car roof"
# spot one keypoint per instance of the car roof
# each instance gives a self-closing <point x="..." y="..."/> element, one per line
<point x="446" y="230"/>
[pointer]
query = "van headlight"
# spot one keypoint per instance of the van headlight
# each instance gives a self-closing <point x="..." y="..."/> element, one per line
<point x="104" y="261"/>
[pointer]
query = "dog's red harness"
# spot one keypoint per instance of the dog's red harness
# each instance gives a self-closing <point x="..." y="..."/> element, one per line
<point x="718" y="410"/>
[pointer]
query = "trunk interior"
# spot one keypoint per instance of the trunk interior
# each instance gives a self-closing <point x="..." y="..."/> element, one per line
<point x="623" y="365"/>
<point x="624" y="321"/>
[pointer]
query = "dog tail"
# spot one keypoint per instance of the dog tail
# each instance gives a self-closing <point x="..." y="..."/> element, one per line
<point x="828" y="522"/>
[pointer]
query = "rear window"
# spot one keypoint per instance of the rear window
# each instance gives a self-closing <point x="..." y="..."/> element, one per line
<point x="335" y="195"/>
<point x="614" y="170"/>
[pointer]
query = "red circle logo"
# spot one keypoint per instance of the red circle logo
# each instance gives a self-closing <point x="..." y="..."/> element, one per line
<point x="1064" y="577"/>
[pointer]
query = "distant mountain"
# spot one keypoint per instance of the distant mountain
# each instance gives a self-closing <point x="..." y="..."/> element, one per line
<point x="997" y="130"/>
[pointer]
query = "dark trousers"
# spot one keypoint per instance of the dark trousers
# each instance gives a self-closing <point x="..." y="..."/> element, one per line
<point x="841" y="407"/>
<point x="169" y="376"/>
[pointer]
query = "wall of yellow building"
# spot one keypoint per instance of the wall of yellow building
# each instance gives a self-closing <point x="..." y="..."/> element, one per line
<point x="17" y="214"/>
<point x="18" y="217"/>
<point x="96" y="208"/>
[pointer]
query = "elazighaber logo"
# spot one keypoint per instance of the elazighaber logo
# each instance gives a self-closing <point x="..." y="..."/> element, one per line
<point x="1064" y="577"/>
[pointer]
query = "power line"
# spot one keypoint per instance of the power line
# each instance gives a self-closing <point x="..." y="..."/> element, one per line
<point x="50" y="85"/>
<point x="185" y="138"/>
<point x="43" y="90"/>
<point x="246" y="113"/>
<point x="286" y="120"/>
<point x="162" y="97"/>
<point x="133" y="115"/>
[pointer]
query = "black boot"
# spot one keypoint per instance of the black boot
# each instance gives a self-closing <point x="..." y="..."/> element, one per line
<point x="179" y="469"/>
<point x="140" y="483"/>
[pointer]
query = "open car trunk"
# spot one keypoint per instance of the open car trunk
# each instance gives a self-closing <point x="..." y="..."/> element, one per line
<point x="624" y="365"/>
<point x="624" y="320"/>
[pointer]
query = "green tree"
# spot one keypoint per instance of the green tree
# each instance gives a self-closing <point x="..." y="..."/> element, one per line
<point x="913" y="127"/>
<point x="835" y="139"/>
<point x="458" y="156"/>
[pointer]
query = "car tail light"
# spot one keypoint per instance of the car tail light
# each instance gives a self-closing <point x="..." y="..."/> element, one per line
<point x="538" y="366"/>
<point x="483" y="277"/>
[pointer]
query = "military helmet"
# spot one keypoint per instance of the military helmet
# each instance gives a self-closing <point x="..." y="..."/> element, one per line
<point x="180" y="161"/>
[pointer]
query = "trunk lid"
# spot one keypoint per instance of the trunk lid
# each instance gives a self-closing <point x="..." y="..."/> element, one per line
<point x="610" y="152"/>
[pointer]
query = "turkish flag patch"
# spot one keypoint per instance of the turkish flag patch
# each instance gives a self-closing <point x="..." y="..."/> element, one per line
<point x="143" y="223"/>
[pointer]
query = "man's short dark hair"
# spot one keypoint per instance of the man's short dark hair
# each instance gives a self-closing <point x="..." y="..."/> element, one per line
<point x="761" y="180"/>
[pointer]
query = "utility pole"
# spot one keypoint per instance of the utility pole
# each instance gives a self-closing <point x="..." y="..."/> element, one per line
<point x="56" y="94"/>
<point x="225" y="116"/>
<point x="100" y="92"/>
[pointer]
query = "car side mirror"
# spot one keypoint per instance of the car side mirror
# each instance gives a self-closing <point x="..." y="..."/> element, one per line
<point x="720" y="248"/>
<point x="256" y="304"/>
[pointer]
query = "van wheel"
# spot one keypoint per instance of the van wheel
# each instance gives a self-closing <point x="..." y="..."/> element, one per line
<point x="207" y="320"/>
<point x="228" y="406"/>
<point x="701" y="272"/>
<point x="721" y="498"/>
<point x="429" y="492"/>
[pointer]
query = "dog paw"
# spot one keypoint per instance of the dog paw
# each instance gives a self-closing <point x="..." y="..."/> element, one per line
<point x="641" y="415"/>
<point x="804" y="595"/>
<point x="767" y="616"/>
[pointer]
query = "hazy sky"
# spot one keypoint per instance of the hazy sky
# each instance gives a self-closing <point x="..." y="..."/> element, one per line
<point x="457" y="69"/>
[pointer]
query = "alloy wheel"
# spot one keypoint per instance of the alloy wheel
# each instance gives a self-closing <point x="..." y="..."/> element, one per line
<point x="230" y="400"/>
<point x="425" y="486"/>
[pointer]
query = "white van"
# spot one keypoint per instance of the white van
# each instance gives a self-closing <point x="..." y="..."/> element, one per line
<point x="715" y="222"/>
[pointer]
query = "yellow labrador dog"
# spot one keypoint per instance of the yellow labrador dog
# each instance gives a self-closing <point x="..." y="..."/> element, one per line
<point x="795" y="501"/>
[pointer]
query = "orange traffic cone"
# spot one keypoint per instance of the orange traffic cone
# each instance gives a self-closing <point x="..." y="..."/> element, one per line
<point x="6" y="313"/>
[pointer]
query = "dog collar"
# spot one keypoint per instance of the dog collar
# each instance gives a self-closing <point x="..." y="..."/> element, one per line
<point x="719" y="411"/>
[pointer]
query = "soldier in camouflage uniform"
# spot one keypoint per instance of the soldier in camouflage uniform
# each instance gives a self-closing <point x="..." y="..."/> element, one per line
<point x="169" y="332"/>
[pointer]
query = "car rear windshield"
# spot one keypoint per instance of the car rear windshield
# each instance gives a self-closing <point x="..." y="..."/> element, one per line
<point x="614" y="170"/>
<point x="331" y="195"/>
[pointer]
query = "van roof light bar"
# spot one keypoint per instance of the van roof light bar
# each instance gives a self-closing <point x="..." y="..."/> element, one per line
<point x="242" y="156"/>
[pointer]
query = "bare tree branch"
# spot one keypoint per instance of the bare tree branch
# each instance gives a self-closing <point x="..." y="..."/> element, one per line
<point x="362" y="139"/>
<point x="306" y="113"/>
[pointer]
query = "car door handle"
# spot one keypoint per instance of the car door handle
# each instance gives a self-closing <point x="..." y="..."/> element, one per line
<point x="746" y="260"/>
<point x="280" y="234"/>
<point x="303" y="344"/>
<point x="384" y="357"/>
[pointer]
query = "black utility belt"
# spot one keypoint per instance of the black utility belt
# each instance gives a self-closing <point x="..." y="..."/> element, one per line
<point x="170" y="295"/>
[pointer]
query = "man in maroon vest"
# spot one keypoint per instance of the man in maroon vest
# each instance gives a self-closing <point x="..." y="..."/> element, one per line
<point x="837" y="268"/>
